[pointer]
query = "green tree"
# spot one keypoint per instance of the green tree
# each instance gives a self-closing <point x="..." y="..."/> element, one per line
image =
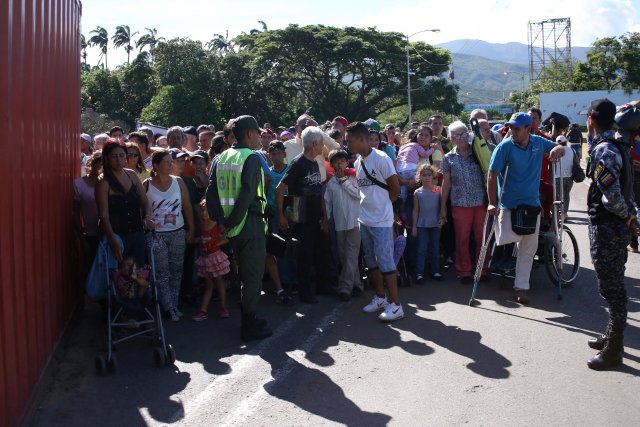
<point x="100" y="38"/>
<point x="256" y="31"/>
<point x="356" y="72"/>
<point x="139" y="83"/>
<point x="123" y="37"/>
<point x="83" y="51"/>
<point x="555" y="78"/>
<point x="101" y="90"/>
<point x="176" y="105"/>
<point x="190" y="85"/>
<point x="183" y="61"/>
<point x="630" y="60"/>
<point x="150" y="39"/>
<point x="603" y="67"/>
<point x="241" y="93"/>
<point x="220" y="45"/>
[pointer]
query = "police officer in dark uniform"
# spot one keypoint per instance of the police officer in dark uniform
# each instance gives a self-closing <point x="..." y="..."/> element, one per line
<point x="612" y="214"/>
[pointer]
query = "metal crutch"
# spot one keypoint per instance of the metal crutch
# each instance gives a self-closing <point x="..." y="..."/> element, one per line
<point x="485" y="244"/>
<point x="558" y="214"/>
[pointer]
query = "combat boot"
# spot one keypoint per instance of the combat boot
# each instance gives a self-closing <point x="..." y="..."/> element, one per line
<point x="611" y="355"/>
<point x="253" y="330"/>
<point x="600" y="341"/>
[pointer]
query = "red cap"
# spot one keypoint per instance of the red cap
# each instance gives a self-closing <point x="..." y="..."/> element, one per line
<point x="342" y="120"/>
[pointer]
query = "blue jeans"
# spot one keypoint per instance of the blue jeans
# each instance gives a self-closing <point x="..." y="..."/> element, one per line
<point x="428" y="247"/>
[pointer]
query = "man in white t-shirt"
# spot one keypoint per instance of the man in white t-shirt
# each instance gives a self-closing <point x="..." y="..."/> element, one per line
<point x="379" y="187"/>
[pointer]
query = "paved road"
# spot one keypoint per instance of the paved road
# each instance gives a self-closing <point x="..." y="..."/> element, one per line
<point x="445" y="363"/>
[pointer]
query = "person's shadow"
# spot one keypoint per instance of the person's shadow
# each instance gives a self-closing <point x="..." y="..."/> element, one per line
<point x="312" y="389"/>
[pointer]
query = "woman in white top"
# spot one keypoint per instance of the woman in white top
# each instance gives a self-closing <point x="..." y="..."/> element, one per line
<point x="170" y="208"/>
<point x="564" y="167"/>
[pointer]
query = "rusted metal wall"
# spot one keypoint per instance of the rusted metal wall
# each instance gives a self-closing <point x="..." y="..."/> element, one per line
<point x="40" y="125"/>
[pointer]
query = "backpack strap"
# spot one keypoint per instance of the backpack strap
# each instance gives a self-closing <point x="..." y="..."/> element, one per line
<point x="372" y="179"/>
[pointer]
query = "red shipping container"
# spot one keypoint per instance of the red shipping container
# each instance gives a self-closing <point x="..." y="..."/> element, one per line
<point x="40" y="121"/>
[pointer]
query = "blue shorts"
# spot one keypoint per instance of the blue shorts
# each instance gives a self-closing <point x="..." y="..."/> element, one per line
<point x="377" y="243"/>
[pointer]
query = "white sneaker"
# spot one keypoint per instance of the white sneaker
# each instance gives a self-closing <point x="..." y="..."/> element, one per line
<point x="178" y="312"/>
<point x="392" y="312"/>
<point x="174" y="316"/>
<point x="376" y="304"/>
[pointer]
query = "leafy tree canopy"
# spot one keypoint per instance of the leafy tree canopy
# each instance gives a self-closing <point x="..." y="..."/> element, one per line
<point x="356" y="72"/>
<point x="177" y="105"/>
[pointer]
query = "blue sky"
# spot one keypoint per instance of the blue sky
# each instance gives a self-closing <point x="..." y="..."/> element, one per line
<point x="496" y="21"/>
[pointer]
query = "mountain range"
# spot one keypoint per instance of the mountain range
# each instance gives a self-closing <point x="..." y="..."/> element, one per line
<point x="480" y="67"/>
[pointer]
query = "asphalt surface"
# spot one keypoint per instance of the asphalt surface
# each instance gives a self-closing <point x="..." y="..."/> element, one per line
<point x="445" y="363"/>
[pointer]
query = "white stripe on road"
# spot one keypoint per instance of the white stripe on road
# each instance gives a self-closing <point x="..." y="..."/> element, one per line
<point x="223" y="384"/>
<point x="251" y="404"/>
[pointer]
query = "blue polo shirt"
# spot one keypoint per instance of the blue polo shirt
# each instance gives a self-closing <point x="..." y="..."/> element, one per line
<point x="523" y="180"/>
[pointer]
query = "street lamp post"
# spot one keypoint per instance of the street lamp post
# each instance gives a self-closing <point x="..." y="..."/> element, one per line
<point x="523" y="87"/>
<point x="409" y="73"/>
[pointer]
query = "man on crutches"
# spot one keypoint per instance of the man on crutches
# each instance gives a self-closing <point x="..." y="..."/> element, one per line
<point x="519" y="206"/>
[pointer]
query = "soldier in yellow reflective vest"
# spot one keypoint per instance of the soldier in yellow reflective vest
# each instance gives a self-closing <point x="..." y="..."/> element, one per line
<point x="236" y="201"/>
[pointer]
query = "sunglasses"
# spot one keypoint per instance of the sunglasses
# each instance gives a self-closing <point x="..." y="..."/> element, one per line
<point x="462" y="135"/>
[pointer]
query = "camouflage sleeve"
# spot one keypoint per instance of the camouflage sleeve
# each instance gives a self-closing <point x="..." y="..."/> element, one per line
<point x="606" y="176"/>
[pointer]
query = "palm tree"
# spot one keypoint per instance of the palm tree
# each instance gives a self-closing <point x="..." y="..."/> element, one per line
<point x="256" y="32"/>
<point x="100" y="38"/>
<point x="83" y="49"/>
<point x="219" y="44"/>
<point x="122" y="37"/>
<point x="150" y="39"/>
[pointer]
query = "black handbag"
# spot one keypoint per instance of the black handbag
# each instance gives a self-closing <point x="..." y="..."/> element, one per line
<point x="524" y="219"/>
<point x="577" y="174"/>
<point x="285" y="247"/>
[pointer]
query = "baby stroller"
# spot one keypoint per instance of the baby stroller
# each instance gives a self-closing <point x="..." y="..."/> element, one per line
<point x="128" y="318"/>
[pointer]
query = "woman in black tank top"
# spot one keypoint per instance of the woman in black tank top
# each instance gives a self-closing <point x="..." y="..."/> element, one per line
<point x="122" y="204"/>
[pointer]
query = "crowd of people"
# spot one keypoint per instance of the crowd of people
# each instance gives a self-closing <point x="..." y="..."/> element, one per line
<point x="313" y="206"/>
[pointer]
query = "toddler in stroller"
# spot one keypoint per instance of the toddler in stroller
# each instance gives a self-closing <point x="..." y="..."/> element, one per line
<point x="131" y="293"/>
<point x="130" y="281"/>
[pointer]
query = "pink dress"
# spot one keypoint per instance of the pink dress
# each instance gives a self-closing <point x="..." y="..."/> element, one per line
<point x="212" y="262"/>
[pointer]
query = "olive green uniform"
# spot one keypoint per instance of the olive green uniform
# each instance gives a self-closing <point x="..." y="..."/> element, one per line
<point x="249" y="244"/>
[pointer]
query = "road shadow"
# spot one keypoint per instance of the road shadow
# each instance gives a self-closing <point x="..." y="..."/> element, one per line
<point x="485" y="361"/>
<point x="318" y="394"/>
<point x="137" y="391"/>
<point x="309" y="388"/>
<point x="580" y="311"/>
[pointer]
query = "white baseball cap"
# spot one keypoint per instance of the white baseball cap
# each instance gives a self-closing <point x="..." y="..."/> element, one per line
<point x="561" y="139"/>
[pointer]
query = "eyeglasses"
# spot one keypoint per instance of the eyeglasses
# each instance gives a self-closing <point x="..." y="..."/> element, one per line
<point x="463" y="135"/>
<point x="132" y="154"/>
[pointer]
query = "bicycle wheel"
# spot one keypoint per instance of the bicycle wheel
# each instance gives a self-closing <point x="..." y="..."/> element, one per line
<point x="570" y="259"/>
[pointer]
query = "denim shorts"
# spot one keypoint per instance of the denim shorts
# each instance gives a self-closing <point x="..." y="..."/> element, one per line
<point x="378" y="248"/>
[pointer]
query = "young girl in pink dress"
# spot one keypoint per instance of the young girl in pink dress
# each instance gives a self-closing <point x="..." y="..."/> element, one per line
<point x="212" y="265"/>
